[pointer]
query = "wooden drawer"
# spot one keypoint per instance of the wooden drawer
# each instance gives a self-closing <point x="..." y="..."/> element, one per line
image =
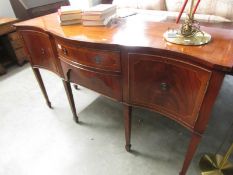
<point x="40" y="49"/>
<point x="171" y="87"/>
<point x="99" y="59"/>
<point x="106" y="84"/>
<point x="14" y="36"/>
<point x="21" y="56"/>
<point x="16" y="44"/>
<point x="20" y="53"/>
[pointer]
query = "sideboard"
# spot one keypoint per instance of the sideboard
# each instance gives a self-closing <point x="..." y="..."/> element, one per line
<point x="130" y="62"/>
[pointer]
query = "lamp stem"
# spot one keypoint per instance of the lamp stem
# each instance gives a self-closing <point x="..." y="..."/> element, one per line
<point x="191" y="9"/>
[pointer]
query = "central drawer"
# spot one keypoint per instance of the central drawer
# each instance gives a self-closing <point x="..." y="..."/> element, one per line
<point x="106" y="84"/>
<point x="94" y="58"/>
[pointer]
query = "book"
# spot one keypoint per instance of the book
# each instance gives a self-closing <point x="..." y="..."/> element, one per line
<point x="72" y="16"/>
<point x="98" y="17"/>
<point x="100" y="9"/>
<point x="70" y="22"/>
<point x="103" y="22"/>
<point x="69" y="10"/>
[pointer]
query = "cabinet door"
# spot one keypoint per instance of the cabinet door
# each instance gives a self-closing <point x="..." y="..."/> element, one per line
<point x="39" y="48"/>
<point x="170" y="87"/>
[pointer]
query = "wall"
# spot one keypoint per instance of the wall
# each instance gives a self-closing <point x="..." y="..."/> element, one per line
<point x="84" y="3"/>
<point x="6" y="9"/>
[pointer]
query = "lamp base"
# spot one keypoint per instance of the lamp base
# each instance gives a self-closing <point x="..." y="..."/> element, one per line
<point x="174" y="36"/>
<point x="210" y="165"/>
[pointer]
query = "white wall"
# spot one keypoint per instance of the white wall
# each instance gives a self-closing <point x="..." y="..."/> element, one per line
<point x="6" y="9"/>
<point x="84" y="3"/>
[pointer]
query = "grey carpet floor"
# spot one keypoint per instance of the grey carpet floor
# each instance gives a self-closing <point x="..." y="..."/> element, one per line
<point x="35" y="140"/>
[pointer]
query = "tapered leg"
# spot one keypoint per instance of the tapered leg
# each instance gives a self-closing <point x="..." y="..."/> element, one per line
<point x="70" y="98"/>
<point x="41" y="84"/>
<point x="127" y="121"/>
<point x="76" y="86"/>
<point x="2" y="70"/>
<point x="190" y="153"/>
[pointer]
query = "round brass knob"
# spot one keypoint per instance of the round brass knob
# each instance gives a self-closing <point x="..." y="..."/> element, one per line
<point x="98" y="59"/>
<point x="42" y="51"/>
<point x="164" y="86"/>
<point x="65" y="52"/>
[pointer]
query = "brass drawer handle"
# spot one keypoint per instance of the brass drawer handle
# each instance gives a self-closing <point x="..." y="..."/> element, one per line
<point x="97" y="59"/>
<point x="42" y="51"/>
<point x="65" y="52"/>
<point x="164" y="86"/>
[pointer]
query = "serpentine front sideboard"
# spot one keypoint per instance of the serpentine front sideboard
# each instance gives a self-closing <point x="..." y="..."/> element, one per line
<point x="129" y="61"/>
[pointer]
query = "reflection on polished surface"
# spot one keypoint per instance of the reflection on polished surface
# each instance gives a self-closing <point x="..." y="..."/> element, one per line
<point x="149" y="34"/>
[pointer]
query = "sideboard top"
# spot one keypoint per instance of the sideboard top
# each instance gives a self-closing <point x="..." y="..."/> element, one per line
<point x="139" y="33"/>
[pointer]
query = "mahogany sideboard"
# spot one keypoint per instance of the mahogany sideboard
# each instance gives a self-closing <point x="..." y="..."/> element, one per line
<point x="129" y="61"/>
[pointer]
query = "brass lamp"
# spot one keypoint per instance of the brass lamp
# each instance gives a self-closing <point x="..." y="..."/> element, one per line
<point x="211" y="164"/>
<point x="190" y="32"/>
<point x="215" y="164"/>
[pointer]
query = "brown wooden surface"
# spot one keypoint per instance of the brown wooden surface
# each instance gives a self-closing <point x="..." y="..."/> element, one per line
<point x="6" y="25"/>
<point x="36" y="72"/>
<point x="2" y="70"/>
<point x="149" y="34"/>
<point x="18" y="48"/>
<point x="136" y="67"/>
<point x="106" y="84"/>
<point x="70" y="99"/>
<point x="38" y="46"/>
<point x="100" y="59"/>
<point x="163" y="84"/>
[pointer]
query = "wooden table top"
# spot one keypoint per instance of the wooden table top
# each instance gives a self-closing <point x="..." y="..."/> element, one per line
<point x="132" y="32"/>
<point x="4" y="20"/>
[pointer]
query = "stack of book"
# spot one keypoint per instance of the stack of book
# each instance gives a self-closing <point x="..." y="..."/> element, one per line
<point x="69" y="15"/>
<point x="99" y="15"/>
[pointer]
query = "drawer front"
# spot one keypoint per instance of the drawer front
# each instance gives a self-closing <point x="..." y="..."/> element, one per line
<point x="99" y="59"/>
<point x="20" y="54"/>
<point x="170" y="87"/>
<point x="105" y="84"/>
<point x="39" y="48"/>
<point x="16" y="44"/>
<point x="14" y="36"/>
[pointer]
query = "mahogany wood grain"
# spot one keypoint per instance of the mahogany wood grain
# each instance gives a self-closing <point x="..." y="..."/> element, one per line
<point x="203" y="118"/>
<point x="106" y="84"/>
<point x="99" y="59"/>
<point x="39" y="48"/>
<point x="168" y="86"/>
